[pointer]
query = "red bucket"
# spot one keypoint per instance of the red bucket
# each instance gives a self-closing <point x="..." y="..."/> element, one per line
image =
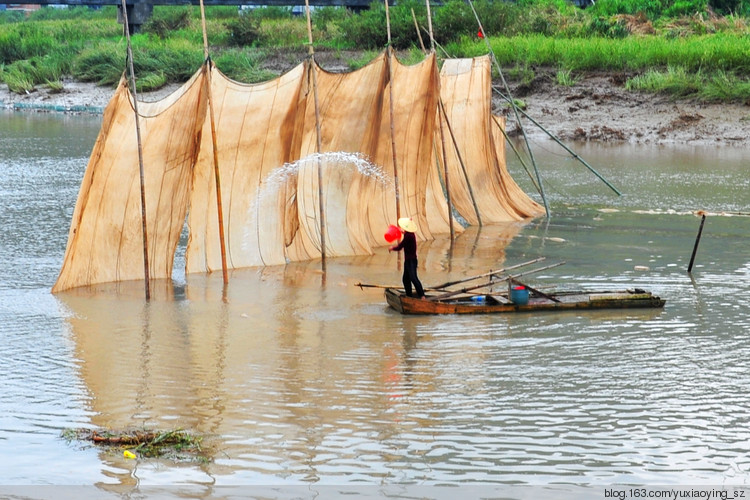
<point x="393" y="234"/>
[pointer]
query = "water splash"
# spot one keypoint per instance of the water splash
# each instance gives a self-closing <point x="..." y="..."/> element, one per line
<point x="351" y="164"/>
<point x="289" y="171"/>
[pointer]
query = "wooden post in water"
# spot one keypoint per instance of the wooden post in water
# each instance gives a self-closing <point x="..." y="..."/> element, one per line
<point x="217" y="178"/>
<point x="697" y="240"/>
<point x="134" y="95"/>
<point x="318" y="144"/>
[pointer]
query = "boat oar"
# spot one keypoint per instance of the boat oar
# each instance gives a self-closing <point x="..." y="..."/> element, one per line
<point x="393" y="287"/>
<point x="498" y="271"/>
<point x="368" y="285"/>
<point x="491" y="282"/>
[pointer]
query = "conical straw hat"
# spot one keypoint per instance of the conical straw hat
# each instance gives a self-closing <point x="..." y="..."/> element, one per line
<point x="407" y="224"/>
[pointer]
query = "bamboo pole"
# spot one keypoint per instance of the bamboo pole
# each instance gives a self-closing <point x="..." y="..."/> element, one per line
<point x="217" y="177"/>
<point x="461" y="162"/>
<point x="515" y="108"/>
<point x="463" y="280"/>
<point x="448" y="197"/>
<point x="517" y="153"/>
<point x="429" y="25"/>
<point x="318" y="144"/>
<point x="491" y="282"/>
<point x="558" y="141"/>
<point x="131" y="80"/>
<point x="575" y="155"/>
<point x="491" y="273"/>
<point x="390" y="103"/>
<point x="419" y="35"/>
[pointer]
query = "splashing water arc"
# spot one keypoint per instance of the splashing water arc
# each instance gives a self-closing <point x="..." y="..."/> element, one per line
<point x="356" y="194"/>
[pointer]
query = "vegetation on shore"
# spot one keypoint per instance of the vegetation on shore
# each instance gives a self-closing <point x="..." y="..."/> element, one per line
<point x="685" y="48"/>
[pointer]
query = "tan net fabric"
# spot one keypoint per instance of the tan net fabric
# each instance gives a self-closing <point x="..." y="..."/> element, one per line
<point x="272" y="175"/>
<point x="349" y="107"/>
<point x="258" y="130"/>
<point x="478" y="187"/>
<point x="105" y="242"/>
<point x="355" y="117"/>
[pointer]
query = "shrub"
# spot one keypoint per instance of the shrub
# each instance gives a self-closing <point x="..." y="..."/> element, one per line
<point x="151" y="81"/>
<point x="242" y="66"/>
<point x="243" y="30"/>
<point x="17" y="82"/>
<point x="100" y="64"/>
<point x="452" y="20"/>
<point x="10" y="47"/>
<point x="323" y="17"/>
<point x="283" y="33"/>
<point x="612" y="27"/>
<point x="366" y="30"/>
<point x="166" y="20"/>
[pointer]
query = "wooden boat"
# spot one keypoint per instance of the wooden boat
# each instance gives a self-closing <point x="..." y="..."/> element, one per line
<point x="553" y="301"/>
<point x="519" y="297"/>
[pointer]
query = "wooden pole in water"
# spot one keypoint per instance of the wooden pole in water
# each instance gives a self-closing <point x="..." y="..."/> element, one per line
<point x="389" y="61"/>
<point x="217" y="177"/>
<point x="695" y="247"/>
<point x="318" y="143"/>
<point x="131" y="80"/>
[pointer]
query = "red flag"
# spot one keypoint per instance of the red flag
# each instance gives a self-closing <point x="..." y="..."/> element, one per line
<point x="479" y="34"/>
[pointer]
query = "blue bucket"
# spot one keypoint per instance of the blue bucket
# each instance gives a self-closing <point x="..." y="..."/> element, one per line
<point x="519" y="295"/>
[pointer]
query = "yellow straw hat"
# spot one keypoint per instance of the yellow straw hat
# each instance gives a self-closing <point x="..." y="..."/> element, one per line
<point x="407" y="224"/>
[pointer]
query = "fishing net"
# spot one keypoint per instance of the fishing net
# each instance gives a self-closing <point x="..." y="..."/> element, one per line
<point x="369" y="144"/>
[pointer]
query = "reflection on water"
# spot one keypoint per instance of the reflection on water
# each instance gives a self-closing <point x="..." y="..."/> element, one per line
<point x="299" y="380"/>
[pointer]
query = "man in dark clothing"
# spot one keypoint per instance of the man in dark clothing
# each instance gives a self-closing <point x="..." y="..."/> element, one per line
<point x="409" y="246"/>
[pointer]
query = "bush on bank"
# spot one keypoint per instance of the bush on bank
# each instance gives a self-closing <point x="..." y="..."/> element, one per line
<point x="694" y="42"/>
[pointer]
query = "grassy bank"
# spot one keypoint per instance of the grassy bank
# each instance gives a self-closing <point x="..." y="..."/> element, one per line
<point x="683" y="49"/>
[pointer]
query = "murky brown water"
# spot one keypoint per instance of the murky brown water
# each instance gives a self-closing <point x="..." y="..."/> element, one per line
<point x="300" y="379"/>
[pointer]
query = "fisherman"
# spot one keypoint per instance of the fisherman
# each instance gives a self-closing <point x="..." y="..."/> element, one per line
<point x="409" y="246"/>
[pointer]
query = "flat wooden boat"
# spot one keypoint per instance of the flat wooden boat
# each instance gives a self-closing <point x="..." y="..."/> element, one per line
<point x="552" y="301"/>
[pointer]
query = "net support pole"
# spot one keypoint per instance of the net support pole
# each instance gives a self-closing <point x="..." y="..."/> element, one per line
<point x="461" y="162"/>
<point x="448" y="197"/>
<point x="318" y="145"/>
<point x="134" y="95"/>
<point x="565" y="147"/>
<point x="217" y="177"/>
<point x="391" y="113"/>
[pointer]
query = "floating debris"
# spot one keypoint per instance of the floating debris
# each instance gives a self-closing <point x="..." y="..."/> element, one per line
<point x="175" y="444"/>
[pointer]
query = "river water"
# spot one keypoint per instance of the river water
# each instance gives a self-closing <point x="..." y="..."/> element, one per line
<point x="296" y="379"/>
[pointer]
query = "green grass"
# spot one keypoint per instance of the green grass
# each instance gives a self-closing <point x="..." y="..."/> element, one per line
<point x="681" y="83"/>
<point x="655" y="40"/>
